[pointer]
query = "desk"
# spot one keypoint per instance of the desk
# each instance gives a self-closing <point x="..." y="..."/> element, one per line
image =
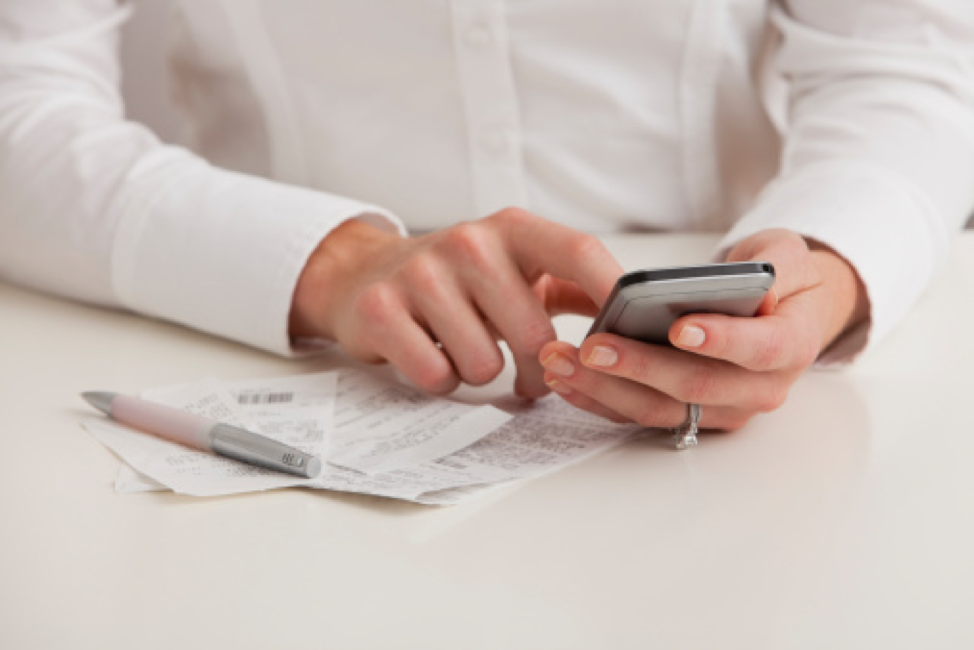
<point x="843" y="520"/>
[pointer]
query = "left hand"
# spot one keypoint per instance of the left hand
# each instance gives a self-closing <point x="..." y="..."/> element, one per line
<point x="734" y="367"/>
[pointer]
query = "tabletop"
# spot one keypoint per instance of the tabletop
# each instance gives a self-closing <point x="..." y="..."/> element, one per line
<point x="845" y="519"/>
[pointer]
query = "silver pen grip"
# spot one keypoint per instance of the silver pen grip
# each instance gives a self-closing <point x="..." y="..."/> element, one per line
<point x="255" y="449"/>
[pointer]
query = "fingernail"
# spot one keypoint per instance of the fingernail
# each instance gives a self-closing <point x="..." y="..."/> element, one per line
<point x="602" y="356"/>
<point x="558" y="364"/>
<point x="559" y="387"/>
<point x="692" y="337"/>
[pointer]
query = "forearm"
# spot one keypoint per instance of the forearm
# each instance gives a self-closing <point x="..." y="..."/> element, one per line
<point x="878" y="152"/>
<point x="94" y="207"/>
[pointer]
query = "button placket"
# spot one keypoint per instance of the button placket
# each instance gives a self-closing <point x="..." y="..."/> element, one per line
<point x="490" y="103"/>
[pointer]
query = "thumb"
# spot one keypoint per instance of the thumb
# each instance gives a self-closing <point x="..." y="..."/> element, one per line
<point x="788" y="253"/>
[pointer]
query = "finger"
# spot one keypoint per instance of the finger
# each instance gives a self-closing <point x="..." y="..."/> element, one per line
<point x="562" y="297"/>
<point x="785" y="339"/>
<point x="685" y="377"/>
<point x="541" y="246"/>
<point x="407" y="346"/>
<point x="514" y="310"/>
<point x="581" y="400"/>
<point x="457" y="325"/>
<point x="768" y="304"/>
<point x="636" y="402"/>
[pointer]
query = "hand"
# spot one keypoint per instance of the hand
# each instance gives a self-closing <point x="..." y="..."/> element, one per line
<point x="435" y="305"/>
<point x="734" y="367"/>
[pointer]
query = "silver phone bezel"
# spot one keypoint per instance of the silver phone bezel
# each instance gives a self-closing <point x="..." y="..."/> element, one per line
<point x="644" y="304"/>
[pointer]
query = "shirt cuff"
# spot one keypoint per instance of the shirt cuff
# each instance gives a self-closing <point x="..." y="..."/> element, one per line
<point x="222" y="252"/>
<point x="876" y="221"/>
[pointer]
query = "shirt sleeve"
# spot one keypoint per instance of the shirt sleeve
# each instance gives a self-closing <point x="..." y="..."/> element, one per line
<point x="95" y="208"/>
<point x="878" y="157"/>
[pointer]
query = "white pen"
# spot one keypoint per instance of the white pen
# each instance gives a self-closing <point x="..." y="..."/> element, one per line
<point x="203" y="433"/>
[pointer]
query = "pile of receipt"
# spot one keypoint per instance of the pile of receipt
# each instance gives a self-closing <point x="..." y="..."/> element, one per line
<point x="374" y="437"/>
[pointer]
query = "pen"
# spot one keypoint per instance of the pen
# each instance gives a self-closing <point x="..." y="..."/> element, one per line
<point x="203" y="433"/>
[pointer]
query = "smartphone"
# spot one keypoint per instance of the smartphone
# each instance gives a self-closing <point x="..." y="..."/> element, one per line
<point x="643" y="304"/>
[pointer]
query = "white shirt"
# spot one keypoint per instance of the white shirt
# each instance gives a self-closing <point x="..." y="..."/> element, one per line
<point x="851" y="122"/>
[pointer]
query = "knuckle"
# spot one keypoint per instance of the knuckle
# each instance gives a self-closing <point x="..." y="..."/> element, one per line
<point x="422" y="272"/>
<point x="513" y="215"/>
<point x="469" y="242"/>
<point x="698" y="387"/>
<point x="377" y="303"/>
<point x="768" y="353"/>
<point x="435" y="377"/>
<point x="533" y="335"/>
<point x="484" y="369"/>
<point x="375" y="313"/>
<point x="583" y="245"/>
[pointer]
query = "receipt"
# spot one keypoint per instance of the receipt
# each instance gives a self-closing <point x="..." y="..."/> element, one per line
<point x="383" y="426"/>
<point x="376" y="437"/>
<point x="200" y="473"/>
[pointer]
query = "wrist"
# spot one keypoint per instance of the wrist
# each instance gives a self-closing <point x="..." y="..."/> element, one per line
<point x="332" y="266"/>
<point x="848" y="305"/>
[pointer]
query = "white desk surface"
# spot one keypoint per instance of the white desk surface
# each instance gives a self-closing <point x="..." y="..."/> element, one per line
<point x="843" y="520"/>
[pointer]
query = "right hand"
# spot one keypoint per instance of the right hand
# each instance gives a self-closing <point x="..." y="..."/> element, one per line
<point x="434" y="305"/>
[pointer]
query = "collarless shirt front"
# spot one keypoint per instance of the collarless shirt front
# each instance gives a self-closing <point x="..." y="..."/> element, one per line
<point x="599" y="115"/>
<point x="850" y="122"/>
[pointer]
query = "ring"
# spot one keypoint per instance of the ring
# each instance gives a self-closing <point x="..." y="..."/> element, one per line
<point x="685" y="435"/>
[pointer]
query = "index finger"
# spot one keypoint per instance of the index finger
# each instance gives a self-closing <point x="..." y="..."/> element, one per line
<point x="540" y="246"/>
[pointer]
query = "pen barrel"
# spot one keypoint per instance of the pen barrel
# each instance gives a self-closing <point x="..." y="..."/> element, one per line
<point x="178" y="426"/>
<point x="243" y="445"/>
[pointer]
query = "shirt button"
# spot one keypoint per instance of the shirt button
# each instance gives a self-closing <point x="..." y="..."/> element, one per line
<point x="478" y="37"/>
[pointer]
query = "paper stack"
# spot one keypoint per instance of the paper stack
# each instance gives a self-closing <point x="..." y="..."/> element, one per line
<point x="374" y="437"/>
